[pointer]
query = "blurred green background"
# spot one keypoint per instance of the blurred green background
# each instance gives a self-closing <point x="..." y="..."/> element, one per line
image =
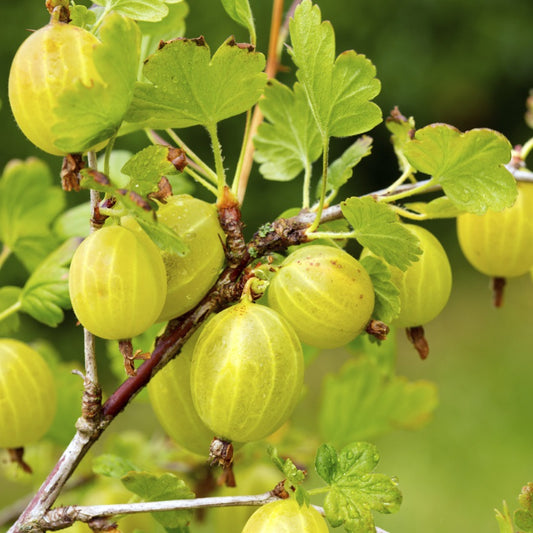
<point x="465" y="63"/>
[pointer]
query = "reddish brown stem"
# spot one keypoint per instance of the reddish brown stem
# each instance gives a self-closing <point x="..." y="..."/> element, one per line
<point x="418" y="339"/>
<point x="497" y="286"/>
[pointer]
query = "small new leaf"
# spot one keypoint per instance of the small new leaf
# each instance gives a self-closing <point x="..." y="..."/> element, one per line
<point x="388" y="305"/>
<point x="505" y="522"/>
<point x="188" y="87"/>
<point x="338" y="90"/>
<point x="372" y="402"/>
<point x="401" y="129"/>
<point x="524" y="517"/>
<point x="379" y="229"/>
<point x="292" y="473"/>
<point x="341" y="170"/>
<point x="146" y="167"/>
<point x="289" y="142"/>
<point x="355" y="492"/>
<point x="46" y="293"/>
<point x="152" y="487"/>
<point x="240" y="12"/>
<point x="469" y="166"/>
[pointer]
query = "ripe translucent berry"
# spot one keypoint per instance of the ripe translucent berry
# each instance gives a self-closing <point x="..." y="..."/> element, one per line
<point x="426" y="284"/>
<point x="117" y="282"/>
<point x="191" y="276"/>
<point x="170" y="395"/>
<point x="53" y="60"/>
<point x="499" y="244"/>
<point x="286" y="516"/>
<point x="246" y="372"/>
<point x="324" y="293"/>
<point x="27" y="395"/>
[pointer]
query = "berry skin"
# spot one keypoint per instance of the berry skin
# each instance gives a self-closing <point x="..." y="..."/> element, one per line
<point x="53" y="60"/>
<point x="324" y="293"/>
<point x="191" y="276"/>
<point x="426" y="284"/>
<point x="117" y="282"/>
<point x="499" y="244"/>
<point x="27" y="395"/>
<point x="286" y="516"/>
<point x="171" y="400"/>
<point x="246" y="372"/>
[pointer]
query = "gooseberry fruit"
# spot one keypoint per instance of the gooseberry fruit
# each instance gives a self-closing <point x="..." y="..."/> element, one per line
<point x="117" y="282"/>
<point x="325" y="294"/>
<point x="499" y="244"/>
<point x="57" y="59"/>
<point x="191" y="276"/>
<point x="27" y="394"/>
<point x="426" y="284"/>
<point x="286" y="516"/>
<point x="246" y="372"/>
<point x="170" y="395"/>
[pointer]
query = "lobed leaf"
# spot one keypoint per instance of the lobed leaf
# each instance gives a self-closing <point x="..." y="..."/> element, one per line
<point x="146" y="10"/>
<point x="289" y="142"/>
<point x="102" y="106"/>
<point x="377" y="227"/>
<point x="46" y="292"/>
<point x="469" y="166"/>
<point x="339" y="91"/>
<point x="362" y="402"/>
<point x="28" y="204"/>
<point x="388" y="305"/>
<point x="354" y="491"/>
<point x="188" y="87"/>
<point x="111" y="465"/>
<point x="292" y="473"/>
<point x="152" y="487"/>
<point x="146" y="167"/>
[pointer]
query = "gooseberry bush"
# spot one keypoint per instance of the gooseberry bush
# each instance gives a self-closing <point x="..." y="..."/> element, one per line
<point x="220" y="325"/>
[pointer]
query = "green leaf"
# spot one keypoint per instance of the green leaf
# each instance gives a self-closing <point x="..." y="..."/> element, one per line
<point x="142" y="209"/>
<point x="240" y="12"/>
<point x="147" y="10"/>
<point x="401" y="128"/>
<point x="354" y="491"/>
<point x="341" y="170"/>
<point x="9" y="296"/>
<point x="28" y="204"/>
<point x="504" y="519"/>
<point x="46" y="293"/>
<point x="382" y="353"/>
<point x="113" y="466"/>
<point x="326" y="462"/>
<point x="190" y="88"/>
<point x="117" y="160"/>
<point x="75" y="222"/>
<point x="82" y="16"/>
<point x="388" y="305"/>
<point x="292" y="473"/>
<point x="469" y="166"/>
<point x="151" y="488"/>
<point x="339" y="91"/>
<point x="146" y="168"/>
<point x="524" y="517"/>
<point x="362" y="402"/>
<point x="441" y="207"/>
<point x="170" y="27"/>
<point x="289" y="142"/>
<point x="101" y="107"/>
<point x="379" y="229"/>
